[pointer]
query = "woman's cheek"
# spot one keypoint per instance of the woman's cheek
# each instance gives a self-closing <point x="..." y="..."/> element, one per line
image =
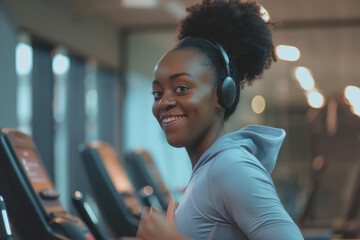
<point x="155" y="110"/>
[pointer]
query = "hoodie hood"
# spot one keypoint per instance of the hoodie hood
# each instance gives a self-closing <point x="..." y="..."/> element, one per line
<point x="261" y="141"/>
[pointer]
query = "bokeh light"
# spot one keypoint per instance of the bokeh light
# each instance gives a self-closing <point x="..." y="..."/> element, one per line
<point x="315" y="99"/>
<point x="352" y="94"/>
<point x="139" y="3"/>
<point x="258" y="104"/>
<point x="24" y="59"/>
<point x="288" y="53"/>
<point x="356" y="110"/>
<point x="264" y="14"/>
<point x="60" y="64"/>
<point x="304" y="77"/>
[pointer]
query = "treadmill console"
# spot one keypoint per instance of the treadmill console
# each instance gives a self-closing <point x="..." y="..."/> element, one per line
<point x="35" y="172"/>
<point x="33" y="202"/>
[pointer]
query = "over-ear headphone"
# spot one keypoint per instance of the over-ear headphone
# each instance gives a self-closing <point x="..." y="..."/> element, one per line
<point x="227" y="87"/>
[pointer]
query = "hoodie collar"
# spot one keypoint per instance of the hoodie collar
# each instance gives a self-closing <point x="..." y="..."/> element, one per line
<point x="261" y="141"/>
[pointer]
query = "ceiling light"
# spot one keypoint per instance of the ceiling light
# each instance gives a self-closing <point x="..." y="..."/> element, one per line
<point x="264" y="14"/>
<point x="352" y="94"/>
<point x="288" y="53"/>
<point x="315" y="99"/>
<point x="304" y="77"/>
<point x="140" y="3"/>
<point x="356" y="110"/>
<point x="176" y="9"/>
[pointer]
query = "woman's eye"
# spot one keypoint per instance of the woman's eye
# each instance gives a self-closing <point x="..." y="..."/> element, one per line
<point x="156" y="93"/>
<point x="181" y="89"/>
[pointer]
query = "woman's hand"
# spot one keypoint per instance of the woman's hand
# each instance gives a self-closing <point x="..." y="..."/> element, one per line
<point x="155" y="225"/>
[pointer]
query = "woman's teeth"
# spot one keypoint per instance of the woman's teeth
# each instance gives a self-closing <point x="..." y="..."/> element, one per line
<point x="171" y="119"/>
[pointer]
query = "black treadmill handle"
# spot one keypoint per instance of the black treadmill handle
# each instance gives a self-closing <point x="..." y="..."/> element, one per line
<point x="5" y="230"/>
<point x="88" y="215"/>
<point x="149" y="199"/>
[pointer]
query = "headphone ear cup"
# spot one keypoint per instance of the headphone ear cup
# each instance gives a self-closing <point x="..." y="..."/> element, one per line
<point x="227" y="92"/>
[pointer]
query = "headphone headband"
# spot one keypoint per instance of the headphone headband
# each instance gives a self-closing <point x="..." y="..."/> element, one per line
<point x="225" y="57"/>
<point x="221" y="51"/>
<point x="227" y="86"/>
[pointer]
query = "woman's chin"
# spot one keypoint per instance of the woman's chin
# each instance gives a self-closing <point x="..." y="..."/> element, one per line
<point x="175" y="142"/>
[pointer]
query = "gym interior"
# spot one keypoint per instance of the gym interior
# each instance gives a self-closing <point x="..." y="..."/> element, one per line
<point x="75" y="101"/>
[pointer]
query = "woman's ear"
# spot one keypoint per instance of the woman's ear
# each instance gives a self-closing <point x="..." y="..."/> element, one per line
<point x="219" y="109"/>
<point x="217" y="103"/>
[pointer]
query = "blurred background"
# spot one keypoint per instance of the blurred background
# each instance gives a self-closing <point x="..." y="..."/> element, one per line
<point x="73" y="71"/>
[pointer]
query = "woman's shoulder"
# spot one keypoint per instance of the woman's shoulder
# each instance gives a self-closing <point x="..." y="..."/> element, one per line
<point x="236" y="169"/>
<point x="237" y="159"/>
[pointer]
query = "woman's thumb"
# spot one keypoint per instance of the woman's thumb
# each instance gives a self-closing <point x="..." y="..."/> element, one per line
<point x="170" y="215"/>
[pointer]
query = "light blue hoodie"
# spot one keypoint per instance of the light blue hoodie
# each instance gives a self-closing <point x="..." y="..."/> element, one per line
<point x="231" y="195"/>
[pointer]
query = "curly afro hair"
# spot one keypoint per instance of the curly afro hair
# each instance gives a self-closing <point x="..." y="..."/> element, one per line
<point x="240" y="29"/>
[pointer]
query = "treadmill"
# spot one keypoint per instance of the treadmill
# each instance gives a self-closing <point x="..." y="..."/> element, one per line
<point x="32" y="201"/>
<point x="333" y="203"/>
<point x="112" y="189"/>
<point x="143" y="172"/>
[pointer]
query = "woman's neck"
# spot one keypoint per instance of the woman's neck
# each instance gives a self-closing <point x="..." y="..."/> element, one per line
<point x="197" y="149"/>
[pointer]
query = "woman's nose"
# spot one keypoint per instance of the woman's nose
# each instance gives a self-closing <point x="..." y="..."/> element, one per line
<point x="167" y="101"/>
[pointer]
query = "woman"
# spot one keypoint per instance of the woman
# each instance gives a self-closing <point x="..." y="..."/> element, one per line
<point x="196" y="88"/>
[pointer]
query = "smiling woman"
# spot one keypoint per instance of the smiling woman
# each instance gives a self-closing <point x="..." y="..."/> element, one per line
<point x="222" y="46"/>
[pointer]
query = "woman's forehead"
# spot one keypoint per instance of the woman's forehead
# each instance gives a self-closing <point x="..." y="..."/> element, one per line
<point x="187" y="60"/>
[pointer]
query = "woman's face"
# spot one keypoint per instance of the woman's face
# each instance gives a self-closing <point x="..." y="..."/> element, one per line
<point x="185" y="102"/>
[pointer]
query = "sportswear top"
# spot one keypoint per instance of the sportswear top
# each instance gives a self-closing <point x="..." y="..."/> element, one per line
<point x="231" y="195"/>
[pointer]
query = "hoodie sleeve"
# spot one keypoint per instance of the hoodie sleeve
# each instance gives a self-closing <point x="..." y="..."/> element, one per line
<point x="241" y="191"/>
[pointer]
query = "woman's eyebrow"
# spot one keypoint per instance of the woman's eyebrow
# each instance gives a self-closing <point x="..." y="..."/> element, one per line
<point x="172" y="77"/>
<point x="156" y="82"/>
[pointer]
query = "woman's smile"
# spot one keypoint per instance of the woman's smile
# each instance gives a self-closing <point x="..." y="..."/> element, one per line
<point x="171" y="119"/>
